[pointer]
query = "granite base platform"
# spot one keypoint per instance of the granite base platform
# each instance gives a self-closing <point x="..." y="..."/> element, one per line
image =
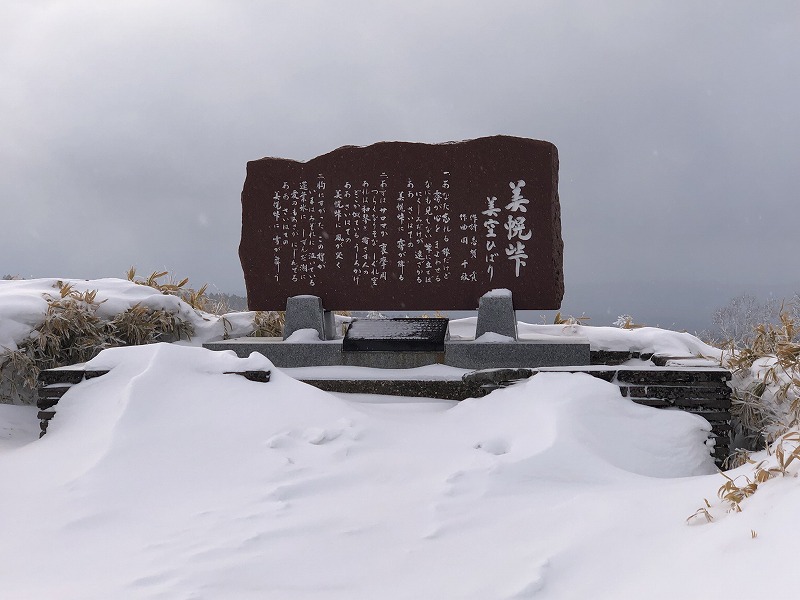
<point x="544" y="351"/>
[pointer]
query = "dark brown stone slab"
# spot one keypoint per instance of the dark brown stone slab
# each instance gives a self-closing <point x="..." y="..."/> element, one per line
<point x="405" y="226"/>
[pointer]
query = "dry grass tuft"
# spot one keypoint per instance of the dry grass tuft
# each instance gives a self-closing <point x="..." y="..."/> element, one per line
<point x="268" y="323"/>
<point x="570" y="320"/>
<point x="783" y="459"/>
<point x="142" y="325"/>
<point x="733" y="493"/>
<point x="626" y="322"/>
<point x="197" y="299"/>
<point x="703" y="512"/>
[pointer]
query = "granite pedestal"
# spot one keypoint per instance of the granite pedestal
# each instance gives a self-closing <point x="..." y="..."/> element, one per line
<point x="465" y="354"/>
<point x="409" y="343"/>
<point x="496" y="314"/>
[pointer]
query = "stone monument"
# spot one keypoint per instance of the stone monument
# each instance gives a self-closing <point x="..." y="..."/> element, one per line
<point x="405" y="226"/>
<point x="401" y="226"/>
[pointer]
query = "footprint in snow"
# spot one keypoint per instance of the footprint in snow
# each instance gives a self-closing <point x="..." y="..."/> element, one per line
<point x="321" y="435"/>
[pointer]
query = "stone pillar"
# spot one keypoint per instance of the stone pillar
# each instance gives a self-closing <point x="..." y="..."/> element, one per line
<point x="496" y="314"/>
<point x="330" y="325"/>
<point x="304" y="312"/>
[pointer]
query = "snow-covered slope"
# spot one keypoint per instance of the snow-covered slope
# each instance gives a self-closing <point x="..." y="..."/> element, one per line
<point x="168" y="479"/>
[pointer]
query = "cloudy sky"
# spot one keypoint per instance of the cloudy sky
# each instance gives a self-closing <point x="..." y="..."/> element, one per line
<point x="126" y="126"/>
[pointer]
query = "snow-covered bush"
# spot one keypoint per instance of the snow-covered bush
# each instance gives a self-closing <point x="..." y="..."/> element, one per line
<point x="47" y="323"/>
<point x="73" y="331"/>
<point x="766" y="381"/>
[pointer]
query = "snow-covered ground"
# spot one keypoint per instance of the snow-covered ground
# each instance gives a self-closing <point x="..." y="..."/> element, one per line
<point x="168" y="479"/>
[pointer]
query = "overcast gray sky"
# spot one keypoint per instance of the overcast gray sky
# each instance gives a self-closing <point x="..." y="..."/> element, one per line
<point x="126" y="126"/>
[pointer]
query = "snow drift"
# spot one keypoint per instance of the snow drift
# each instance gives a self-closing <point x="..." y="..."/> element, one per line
<point x="167" y="478"/>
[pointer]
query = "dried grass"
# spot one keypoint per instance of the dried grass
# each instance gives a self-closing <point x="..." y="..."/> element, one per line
<point x="268" y="323"/>
<point x="142" y="325"/>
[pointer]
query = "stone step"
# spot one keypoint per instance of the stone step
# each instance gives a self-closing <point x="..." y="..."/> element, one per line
<point x="672" y="376"/>
<point x="72" y="374"/>
<point x="677" y="391"/>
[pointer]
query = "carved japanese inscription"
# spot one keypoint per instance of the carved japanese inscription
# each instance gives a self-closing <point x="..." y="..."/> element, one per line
<point x="405" y="226"/>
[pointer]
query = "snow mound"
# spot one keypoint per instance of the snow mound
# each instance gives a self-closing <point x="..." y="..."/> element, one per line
<point x="577" y="427"/>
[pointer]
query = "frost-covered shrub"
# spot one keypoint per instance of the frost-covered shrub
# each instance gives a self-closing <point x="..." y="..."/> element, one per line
<point x="736" y="322"/>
